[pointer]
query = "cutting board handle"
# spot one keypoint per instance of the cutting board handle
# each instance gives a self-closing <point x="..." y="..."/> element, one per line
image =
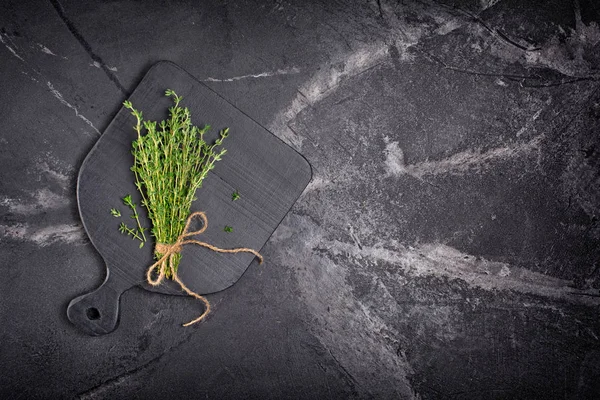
<point x="97" y="313"/>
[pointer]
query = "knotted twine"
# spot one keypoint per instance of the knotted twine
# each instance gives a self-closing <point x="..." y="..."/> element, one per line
<point x="169" y="251"/>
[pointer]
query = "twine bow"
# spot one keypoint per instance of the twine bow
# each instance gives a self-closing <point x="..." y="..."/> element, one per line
<point x="169" y="251"/>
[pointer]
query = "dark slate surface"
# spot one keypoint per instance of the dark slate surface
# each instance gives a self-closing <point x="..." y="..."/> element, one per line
<point x="267" y="173"/>
<point x="446" y="248"/>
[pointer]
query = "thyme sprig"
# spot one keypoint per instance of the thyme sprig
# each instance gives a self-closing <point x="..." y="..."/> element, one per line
<point x="123" y="228"/>
<point x="170" y="162"/>
<point x="135" y="233"/>
<point x="128" y="202"/>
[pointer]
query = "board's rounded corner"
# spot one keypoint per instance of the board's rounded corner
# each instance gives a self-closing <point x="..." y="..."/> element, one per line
<point x="157" y="66"/>
<point x="175" y="66"/>
<point x="310" y="168"/>
<point x="160" y="63"/>
<point x="236" y="280"/>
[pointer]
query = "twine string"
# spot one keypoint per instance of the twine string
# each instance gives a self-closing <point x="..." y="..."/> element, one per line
<point x="168" y="251"/>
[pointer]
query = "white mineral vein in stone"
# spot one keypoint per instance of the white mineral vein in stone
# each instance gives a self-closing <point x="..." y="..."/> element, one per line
<point x="60" y="98"/>
<point x="287" y="71"/>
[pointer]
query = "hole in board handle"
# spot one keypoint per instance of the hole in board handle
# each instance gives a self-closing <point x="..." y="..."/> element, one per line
<point x="92" y="313"/>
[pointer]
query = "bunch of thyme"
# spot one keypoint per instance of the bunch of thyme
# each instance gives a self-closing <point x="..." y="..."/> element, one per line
<point x="170" y="162"/>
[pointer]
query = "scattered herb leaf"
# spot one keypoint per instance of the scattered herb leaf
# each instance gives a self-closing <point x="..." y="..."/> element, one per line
<point x="228" y="229"/>
<point x="235" y="195"/>
<point x="115" y="213"/>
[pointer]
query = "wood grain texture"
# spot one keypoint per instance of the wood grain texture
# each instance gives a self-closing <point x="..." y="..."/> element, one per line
<point x="268" y="174"/>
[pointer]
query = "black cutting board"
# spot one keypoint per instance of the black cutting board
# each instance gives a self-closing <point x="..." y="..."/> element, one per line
<point x="268" y="174"/>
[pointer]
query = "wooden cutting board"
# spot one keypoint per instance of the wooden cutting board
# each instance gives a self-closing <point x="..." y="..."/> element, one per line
<point x="268" y="174"/>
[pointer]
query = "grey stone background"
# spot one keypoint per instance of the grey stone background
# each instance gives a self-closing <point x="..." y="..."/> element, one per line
<point x="447" y="247"/>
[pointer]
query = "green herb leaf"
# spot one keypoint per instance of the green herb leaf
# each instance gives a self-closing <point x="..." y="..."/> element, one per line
<point x="228" y="229"/>
<point x="235" y="196"/>
<point x="115" y="213"/>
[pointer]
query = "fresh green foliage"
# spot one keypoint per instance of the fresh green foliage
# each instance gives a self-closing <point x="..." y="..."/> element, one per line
<point x="228" y="229"/>
<point x="135" y="233"/>
<point x="235" y="195"/>
<point x="123" y="228"/>
<point x="170" y="162"/>
<point x="128" y="202"/>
